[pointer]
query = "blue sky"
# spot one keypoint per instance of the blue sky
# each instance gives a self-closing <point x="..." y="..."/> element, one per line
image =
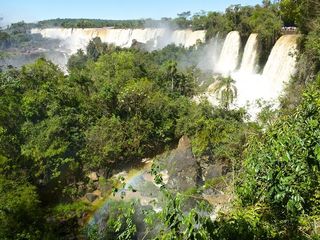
<point x="34" y="10"/>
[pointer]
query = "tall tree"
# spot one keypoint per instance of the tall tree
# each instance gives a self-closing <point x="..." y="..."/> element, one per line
<point x="225" y="90"/>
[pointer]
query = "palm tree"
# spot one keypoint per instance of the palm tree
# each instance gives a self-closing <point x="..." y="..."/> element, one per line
<point x="225" y="90"/>
<point x="171" y="71"/>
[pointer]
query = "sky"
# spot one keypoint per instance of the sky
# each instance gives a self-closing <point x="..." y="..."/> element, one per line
<point x="35" y="10"/>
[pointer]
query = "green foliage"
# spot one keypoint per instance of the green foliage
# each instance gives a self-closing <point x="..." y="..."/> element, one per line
<point x="19" y="210"/>
<point x="136" y="103"/>
<point x="118" y="106"/>
<point x="217" y="23"/>
<point x="69" y="211"/>
<point x="300" y="13"/>
<point x="95" y="48"/>
<point x="90" y="23"/>
<point x="182" y="20"/>
<point x="52" y="126"/>
<point x="215" y="132"/>
<point x="289" y="11"/>
<point x="17" y="35"/>
<point x="4" y="40"/>
<point x="119" y="225"/>
<point x="246" y="223"/>
<point x="77" y="61"/>
<point x="312" y="50"/>
<point x="64" y="220"/>
<point x="282" y="168"/>
<point x="176" y="223"/>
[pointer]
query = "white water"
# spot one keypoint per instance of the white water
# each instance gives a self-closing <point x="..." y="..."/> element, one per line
<point x="281" y="62"/>
<point x="250" y="55"/>
<point x="209" y="54"/>
<point x="74" y="39"/>
<point x="268" y="85"/>
<point x="229" y="56"/>
<point x="222" y="59"/>
<point x="264" y="87"/>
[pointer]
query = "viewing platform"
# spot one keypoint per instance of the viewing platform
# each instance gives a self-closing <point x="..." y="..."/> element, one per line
<point x="289" y="30"/>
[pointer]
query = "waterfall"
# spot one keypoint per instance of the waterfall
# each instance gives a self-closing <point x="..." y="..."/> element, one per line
<point x="268" y="85"/>
<point x="251" y="86"/>
<point x="229" y="56"/>
<point x="250" y="55"/>
<point x="281" y="62"/>
<point x="77" y="38"/>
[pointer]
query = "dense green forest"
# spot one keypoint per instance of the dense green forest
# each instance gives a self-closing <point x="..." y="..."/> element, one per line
<point x="118" y="106"/>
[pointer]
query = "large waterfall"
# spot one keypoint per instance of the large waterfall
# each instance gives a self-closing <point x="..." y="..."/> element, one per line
<point x="221" y="57"/>
<point x="229" y="56"/>
<point x="268" y="85"/>
<point x="250" y="55"/>
<point x="77" y="38"/>
<point x="281" y="62"/>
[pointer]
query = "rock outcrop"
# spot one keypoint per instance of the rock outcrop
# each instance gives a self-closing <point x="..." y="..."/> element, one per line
<point x="182" y="166"/>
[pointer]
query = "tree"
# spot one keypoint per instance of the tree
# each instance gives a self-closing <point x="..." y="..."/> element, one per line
<point x="51" y="130"/>
<point x="217" y="23"/>
<point x="266" y="3"/>
<point x="95" y="48"/>
<point x="289" y="11"/>
<point x="19" y="210"/>
<point x="5" y="40"/>
<point x="171" y="69"/>
<point x="78" y="60"/>
<point x="183" y="19"/>
<point x="199" y="21"/>
<point x="225" y="90"/>
<point x="300" y="13"/>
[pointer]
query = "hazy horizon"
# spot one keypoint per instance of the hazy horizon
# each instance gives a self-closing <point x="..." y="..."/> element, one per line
<point x="34" y="10"/>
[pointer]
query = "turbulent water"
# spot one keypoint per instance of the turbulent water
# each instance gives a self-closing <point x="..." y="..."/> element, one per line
<point x="281" y="62"/>
<point x="276" y="73"/>
<point x="229" y="56"/>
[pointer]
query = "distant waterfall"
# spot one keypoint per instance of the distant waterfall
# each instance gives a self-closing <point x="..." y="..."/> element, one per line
<point x="250" y="55"/>
<point x="282" y="61"/>
<point x="73" y="39"/>
<point x="229" y="56"/>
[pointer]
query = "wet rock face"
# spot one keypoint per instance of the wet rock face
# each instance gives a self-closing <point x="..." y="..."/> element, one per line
<point x="182" y="166"/>
<point x="213" y="170"/>
<point x="185" y="171"/>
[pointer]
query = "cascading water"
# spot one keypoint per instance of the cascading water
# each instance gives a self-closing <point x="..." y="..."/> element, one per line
<point x="229" y="56"/>
<point x="251" y="86"/>
<point x="153" y="38"/>
<point x="277" y="72"/>
<point x="250" y="55"/>
<point x="79" y="38"/>
<point x="281" y="62"/>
